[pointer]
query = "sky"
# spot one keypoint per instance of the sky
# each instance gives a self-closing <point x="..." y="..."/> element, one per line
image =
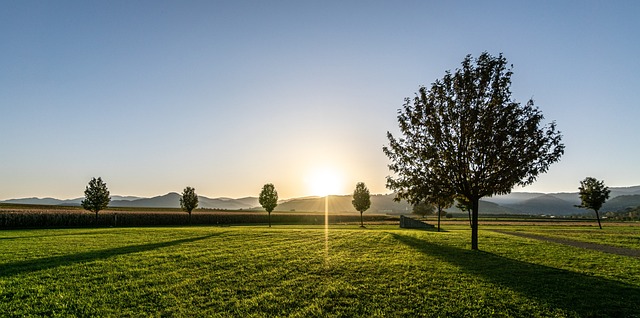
<point x="225" y="96"/>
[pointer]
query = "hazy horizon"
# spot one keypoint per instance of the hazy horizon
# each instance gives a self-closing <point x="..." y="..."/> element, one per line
<point x="154" y="96"/>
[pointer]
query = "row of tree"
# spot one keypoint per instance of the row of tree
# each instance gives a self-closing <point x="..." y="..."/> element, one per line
<point x="97" y="198"/>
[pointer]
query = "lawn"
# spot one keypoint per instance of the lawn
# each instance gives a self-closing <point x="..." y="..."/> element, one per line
<point x="627" y="237"/>
<point x="303" y="271"/>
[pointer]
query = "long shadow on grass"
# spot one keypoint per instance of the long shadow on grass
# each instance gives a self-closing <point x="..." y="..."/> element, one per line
<point x="587" y="296"/>
<point x="51" y="235"/>
<point x="16" y="268"/>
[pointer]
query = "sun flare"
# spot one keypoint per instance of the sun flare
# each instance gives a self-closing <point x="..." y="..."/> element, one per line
<point x="325" y="181"/>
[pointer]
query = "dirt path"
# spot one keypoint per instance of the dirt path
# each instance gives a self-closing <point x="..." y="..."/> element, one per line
<point x="591" y="246"/>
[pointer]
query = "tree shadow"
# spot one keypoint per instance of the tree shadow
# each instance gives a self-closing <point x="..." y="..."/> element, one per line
<point x="52" y="235"/>
<point x="586" y="296"/>
<point x="16" y="268"/>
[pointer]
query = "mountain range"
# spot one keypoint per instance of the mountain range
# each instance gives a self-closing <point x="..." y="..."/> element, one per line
<point x="529" y="203"/>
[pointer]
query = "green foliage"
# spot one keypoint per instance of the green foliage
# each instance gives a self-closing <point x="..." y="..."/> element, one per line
<point x="189" y="199"/>
<point x="465" y="135"/>
<point x="303" y="272"/>
<point x="96" y="197"/>
<point x="268" y="199"/>
<point x="441" y="201"/>
<point x="423" y="209"/>
<point x="628" y="214"/>
<point x="593" y="193"/>
<point x="361" y="199"/>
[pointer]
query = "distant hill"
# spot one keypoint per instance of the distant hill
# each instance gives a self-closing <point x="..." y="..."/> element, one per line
<point x="621" y="202"/>
<point x="381" y="203"/>
<point x="69" y="202"/>
<point x="531" y="203"/>
<point x="487" y="207"/>
<point x="172" y="200"/>
<point x="546" y="204"/>
<point x="169" y="200"/>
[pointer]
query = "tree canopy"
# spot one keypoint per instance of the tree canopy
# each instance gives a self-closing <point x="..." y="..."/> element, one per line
<point x="593" y="194"/>
<point x="440" y="201"/>
<point x="361" y="199"/>
<point x="96" y="196"/>
<point x="423" y="208"/>
<point x="189" y="200"/>
<point x="466" y="136"/>
<point x="268" y="199"/>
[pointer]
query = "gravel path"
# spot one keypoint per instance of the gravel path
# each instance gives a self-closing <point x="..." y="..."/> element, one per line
<point x="591" y="246"/>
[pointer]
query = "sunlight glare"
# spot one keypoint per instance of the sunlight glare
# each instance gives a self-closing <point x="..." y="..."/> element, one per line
<point x="323" y="182"/>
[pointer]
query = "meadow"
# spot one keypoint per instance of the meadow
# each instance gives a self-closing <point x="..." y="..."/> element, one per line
<point x="305" y="271"/>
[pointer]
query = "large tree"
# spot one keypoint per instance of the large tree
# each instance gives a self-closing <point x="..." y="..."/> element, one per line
<point x="189" y="200"/>
<point x="268" y="199"/>
<point x="593" y="194"/>
<point x="361" y="199"/>
<point x="466" y="136"/>
<point x="96" y="197"/>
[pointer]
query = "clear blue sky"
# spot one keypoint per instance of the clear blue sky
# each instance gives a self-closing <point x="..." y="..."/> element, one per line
<point x="225" y="96"/>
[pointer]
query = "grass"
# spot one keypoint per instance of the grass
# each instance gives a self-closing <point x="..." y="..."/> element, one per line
<point x="293" y="271"/>
<point x="626" y="237"/>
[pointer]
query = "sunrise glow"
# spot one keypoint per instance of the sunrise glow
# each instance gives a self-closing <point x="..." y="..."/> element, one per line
<point x="325" y="181"/>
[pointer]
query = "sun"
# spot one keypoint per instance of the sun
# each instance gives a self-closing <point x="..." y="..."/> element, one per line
<point x="324" y="181"/>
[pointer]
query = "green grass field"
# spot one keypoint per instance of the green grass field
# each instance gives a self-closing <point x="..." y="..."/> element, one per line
<point x="295" y="271"/>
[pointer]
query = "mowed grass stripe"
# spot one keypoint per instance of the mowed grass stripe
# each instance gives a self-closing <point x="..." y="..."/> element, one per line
<point x="287" y="271"/>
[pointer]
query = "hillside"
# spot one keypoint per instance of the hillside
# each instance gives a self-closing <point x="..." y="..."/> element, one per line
<point x="381" y="203"/>
<point x="487" y="207"/>
<point x="622" y="202"/>
<point x="546" y="204"/>
<point x="560" y="204"/>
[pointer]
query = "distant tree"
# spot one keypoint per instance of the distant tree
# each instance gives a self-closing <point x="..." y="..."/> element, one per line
<point x="423" y="209"/>
<point x="593" y="194"/>
<point x="268" y="199"/>
<point x="96" y="197"/>
<point x="465" y="135"/>
<point x="441" y="202"/>
<point x="189" y="200"/>
<point x="361" y="199"/>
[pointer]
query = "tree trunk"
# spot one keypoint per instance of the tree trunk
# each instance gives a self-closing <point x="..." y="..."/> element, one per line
<point x="269" y="218"/>
<point x="598" y="217"/>
<point x="474" y="224"/>
<point x="189" y="217"/>
<point x="439" y="212"/>
<point x="96" y="218"/>
<point x="361" y="222"/>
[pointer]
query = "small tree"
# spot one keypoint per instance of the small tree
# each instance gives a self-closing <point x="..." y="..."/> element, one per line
<point x="96" y="197"/>
<point x="593" y="194"/>
<point x="268" y="199"/>
<point x="465" y="206"/>
<point x="423" y="209"/>
<point x="441" y="202"/>
<point x="465" y="135"/>
<point x="189" y="200"/>
<point x="361" y="200"/>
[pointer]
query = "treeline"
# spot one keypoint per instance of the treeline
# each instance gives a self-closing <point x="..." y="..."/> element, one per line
<point x="628" y="214"/>
<point x="35" y="219"/>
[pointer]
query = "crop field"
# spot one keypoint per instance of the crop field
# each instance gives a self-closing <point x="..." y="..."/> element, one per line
<point x="309" y="271"/>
